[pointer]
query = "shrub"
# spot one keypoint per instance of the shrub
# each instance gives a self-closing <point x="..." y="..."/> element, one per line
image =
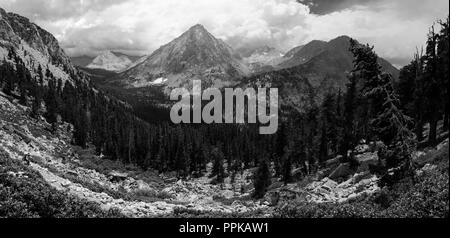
<point x="427" y="197"/>
<point x="24" y="194"/>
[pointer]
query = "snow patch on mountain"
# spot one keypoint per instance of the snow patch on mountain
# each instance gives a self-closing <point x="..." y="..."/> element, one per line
<point x="144" y="83"/>
<point x="159" y="81"/>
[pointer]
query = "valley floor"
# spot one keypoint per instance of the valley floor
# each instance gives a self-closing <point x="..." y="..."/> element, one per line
<point x="127" y="191"/>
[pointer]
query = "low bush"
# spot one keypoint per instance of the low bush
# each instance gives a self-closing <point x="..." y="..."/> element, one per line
<point x="24" y="194"/>
<point x="191" y="213"/>
<point x="426" y="196"/>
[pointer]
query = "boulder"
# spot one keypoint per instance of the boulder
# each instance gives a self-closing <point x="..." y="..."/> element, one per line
<point x="287" y="195"/>
<point x="360" y="149"/>
<point x="342" y="172"/>
<point x="329" y="185"/>
<point x="443" y="144"/>
<point x="273" y="198"/>
<point x="66" y="184"/>
<point x="73" y="173"/>
<point x="361" y="176"/>
<point x="333" y="162"/>
<point x="24" y="137"/>
<point x="228" y="194"/>
<point x="366" y="160"/>
<point x="171" y="180"/>
<point x="115" y="176"/>
<point x="366" y="182"/>
<point x="297" y="174"/>
<point x="275" y="185"/>
<point x="9" y="128"/>
<point x="141" y="185"/>
<point x="345" y="184"/>
<point x="426" y="169"/>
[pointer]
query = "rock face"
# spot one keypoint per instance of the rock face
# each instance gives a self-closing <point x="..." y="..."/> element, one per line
<point x="196" y="54"/>
<point x="110" y="61"/>
<point x="35" y="46"/>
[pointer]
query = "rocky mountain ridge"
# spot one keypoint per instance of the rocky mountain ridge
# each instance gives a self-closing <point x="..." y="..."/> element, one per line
<point x="196" y="54"/>
<point x="110" y="61"/>
<point x="308" y="73"/>
<point x="35" y="46"/>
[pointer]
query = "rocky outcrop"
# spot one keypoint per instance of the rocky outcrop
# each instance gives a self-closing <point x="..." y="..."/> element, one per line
<point x="34" y="45"/>
<point x="327" y="190"/>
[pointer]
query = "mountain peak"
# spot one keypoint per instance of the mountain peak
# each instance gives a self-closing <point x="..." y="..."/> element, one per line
<point x="195" y="54"/>
<point x="343" y="38"/>
<point x="110" y="61"/>
<point x="198" y="27"/>
<point x="198" y="32"/>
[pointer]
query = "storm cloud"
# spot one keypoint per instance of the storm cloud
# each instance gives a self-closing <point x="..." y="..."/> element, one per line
<point x="139" y="27"/>
<point x="322" y="7"/>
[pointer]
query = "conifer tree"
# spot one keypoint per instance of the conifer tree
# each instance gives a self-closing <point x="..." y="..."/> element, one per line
<point x="432" y="85"/>
<point x="287" y="166"/>
<point x="349" y="117"/>
<point x="218" y="169"/>
<point x="37" y="103"/>
<point x="367" y="70"/>
<point x="443" y="66"/>
<point x="389" y="124"/>
<point x="262" y="179"/>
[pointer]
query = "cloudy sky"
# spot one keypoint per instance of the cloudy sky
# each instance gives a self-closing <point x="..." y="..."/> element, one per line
<point x="395" y="27"/>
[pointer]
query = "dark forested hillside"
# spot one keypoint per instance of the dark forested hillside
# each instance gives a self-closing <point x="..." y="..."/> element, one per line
<point x="311" y="72"/>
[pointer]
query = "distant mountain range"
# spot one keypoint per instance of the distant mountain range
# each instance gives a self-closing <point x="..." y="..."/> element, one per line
<point x="306" y="71"/>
